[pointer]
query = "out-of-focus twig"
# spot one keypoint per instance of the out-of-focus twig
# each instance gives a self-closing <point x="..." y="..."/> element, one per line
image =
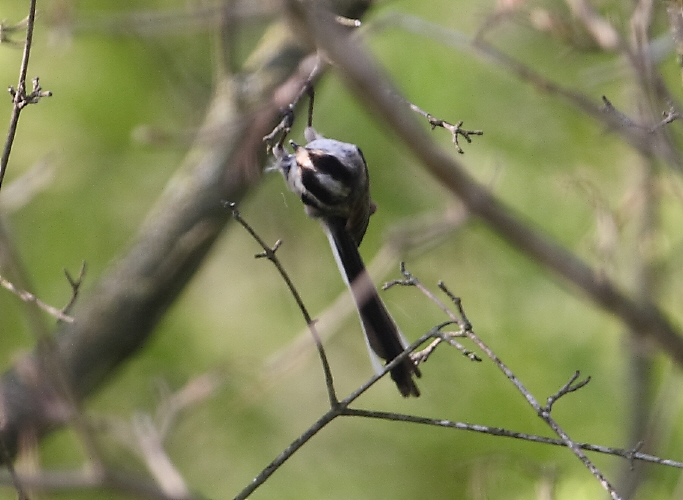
<point x="29" y="297"/>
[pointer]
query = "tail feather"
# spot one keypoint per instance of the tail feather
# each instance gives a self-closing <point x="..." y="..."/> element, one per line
<point x="382" y="335"/>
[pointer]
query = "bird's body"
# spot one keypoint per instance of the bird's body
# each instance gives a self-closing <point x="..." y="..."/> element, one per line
<point x="331" y="179"/>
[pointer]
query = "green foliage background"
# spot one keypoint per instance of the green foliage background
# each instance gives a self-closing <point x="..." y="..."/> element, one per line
<point x="538" y="153"/>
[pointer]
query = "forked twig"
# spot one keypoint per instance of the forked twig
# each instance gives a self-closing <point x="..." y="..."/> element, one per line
<point x="287" y="121"/>
<point x="455" y="130"/>
<point x="542" y="411"/>
<point x="75" y="286"/>
<point x="337" y="407"/>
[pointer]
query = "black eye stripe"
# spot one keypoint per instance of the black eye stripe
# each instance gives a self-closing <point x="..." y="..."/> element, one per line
<point x="313" y="185"/>
<point x="330" y="165"/>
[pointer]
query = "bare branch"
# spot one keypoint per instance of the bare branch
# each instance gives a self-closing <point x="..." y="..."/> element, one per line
<point x="543" y="412"/>
<point x="570" y="386"/>
<point x="75" y="286"/>
<point x="497" y="431"/>
<point x="602" y="31"/>
<point x="269" y="253"/>
<point x="455" y="130"/>
<point x="29" y="297"/>
<point x="20" y="98"/>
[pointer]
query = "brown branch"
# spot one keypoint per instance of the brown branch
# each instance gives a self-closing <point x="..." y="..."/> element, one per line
<point x="640" y="138"/>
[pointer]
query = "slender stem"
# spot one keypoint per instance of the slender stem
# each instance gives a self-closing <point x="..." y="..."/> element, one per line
<point x="19" y="97"/>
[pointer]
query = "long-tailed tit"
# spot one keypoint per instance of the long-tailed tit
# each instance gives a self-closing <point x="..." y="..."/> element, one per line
<point x="331" y="178"/>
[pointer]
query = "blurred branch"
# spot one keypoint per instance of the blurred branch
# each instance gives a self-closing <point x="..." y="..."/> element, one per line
<point x="69" y="480"/>
<point x="647" y="139"/>
<point x="144" y="433"/>
<point x="601" y="30"/>
<point x="6" y="32"/>
<point x="190" y="19"/>
<point x="118" y="315"/>
<point x="29" y="297"/>
<point x="370" y="85"/>
<point x="645" y="419"/>
<point x="150" y="447"/>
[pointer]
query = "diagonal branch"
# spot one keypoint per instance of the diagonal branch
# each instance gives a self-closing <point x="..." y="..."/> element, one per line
<point x="370" y="84"/>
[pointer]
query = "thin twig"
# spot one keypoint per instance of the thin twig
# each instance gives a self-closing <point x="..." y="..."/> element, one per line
<point x="542" y="412"/>
<point x="29" y="297"/>
<point x="19" y="97"/>
<point x="269" y="253"/>
<point x="455" y="130"/>
<point x="570" y="386"/>
<point x="410" y="280"/>
<point x="629" y="454"/>
<point x="285" y="124"/>
<point x="75" y="286"/>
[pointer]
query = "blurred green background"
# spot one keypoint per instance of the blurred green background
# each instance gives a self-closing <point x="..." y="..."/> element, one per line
<point x="124" y="110"/>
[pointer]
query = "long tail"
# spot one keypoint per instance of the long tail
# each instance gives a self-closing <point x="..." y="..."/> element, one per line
<point x="382" y="336"/>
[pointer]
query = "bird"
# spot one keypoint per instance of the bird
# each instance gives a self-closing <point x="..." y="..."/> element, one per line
<point x="331" y="179"/>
